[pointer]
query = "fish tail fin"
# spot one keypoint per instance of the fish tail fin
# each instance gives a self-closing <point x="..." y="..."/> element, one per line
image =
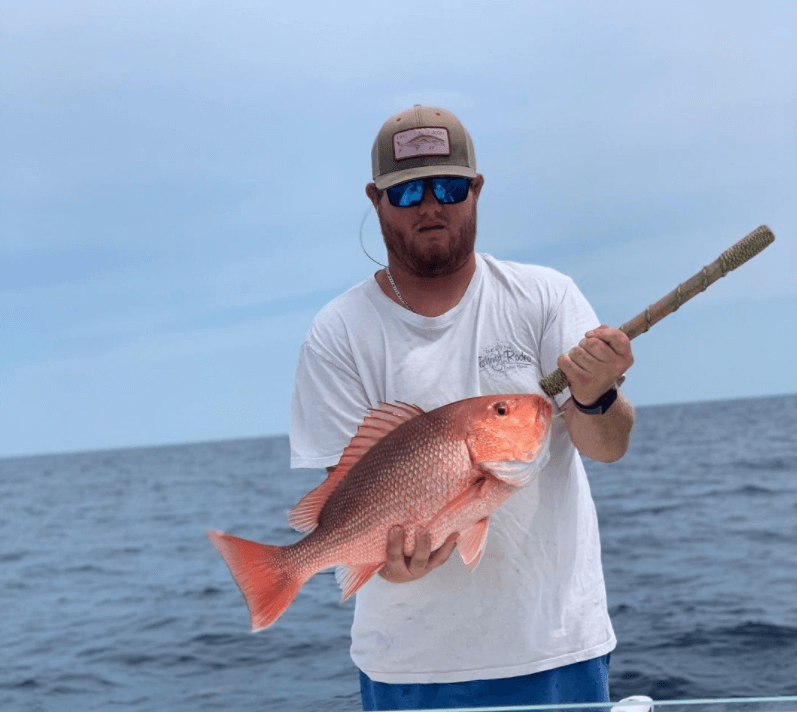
<point x="268" y="580"/>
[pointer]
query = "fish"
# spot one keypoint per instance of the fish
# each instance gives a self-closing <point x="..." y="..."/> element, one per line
<point x="440" y="471"/>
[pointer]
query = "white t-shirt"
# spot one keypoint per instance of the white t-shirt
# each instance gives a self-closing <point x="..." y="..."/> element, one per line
<point x="537" y="599"/>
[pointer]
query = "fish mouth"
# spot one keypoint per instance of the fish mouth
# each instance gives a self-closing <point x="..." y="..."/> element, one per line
<point x="521" y="471"/>
<point x="539" y="456"/>
<point x="516" y="473"/>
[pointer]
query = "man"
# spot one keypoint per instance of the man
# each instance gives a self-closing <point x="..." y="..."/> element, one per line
<point x="440" y="323"/>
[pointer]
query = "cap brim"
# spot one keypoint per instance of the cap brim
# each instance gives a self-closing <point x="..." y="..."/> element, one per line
<point x="391" y="179"/>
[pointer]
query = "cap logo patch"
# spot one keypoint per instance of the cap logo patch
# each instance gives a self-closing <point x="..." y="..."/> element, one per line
<point x="424" y="141"/>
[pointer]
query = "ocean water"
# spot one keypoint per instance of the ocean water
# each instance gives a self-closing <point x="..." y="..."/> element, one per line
<point x="111" y="597"/>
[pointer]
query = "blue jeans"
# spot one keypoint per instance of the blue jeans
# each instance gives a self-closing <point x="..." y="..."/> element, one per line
<point x="587" y="681"/>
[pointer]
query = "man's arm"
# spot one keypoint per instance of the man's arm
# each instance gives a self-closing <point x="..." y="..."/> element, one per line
<point x="592" y="367"/>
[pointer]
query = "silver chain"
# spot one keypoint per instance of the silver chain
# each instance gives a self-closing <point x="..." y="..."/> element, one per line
<point x="395" y="289"/>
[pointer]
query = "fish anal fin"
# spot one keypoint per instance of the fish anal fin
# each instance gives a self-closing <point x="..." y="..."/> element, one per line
<point x="352" y="578"/>
<point x="377" y="424"/>
<point x="471" y="543"/>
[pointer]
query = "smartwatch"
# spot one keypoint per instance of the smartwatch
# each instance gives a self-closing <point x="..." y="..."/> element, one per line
<point x="600" y="406"/>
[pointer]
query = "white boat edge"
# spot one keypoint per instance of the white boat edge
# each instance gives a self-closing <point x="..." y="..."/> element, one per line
<point x="635" y="703"/>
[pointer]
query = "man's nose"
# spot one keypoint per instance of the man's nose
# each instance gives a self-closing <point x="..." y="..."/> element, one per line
<point x="428" y="200"/>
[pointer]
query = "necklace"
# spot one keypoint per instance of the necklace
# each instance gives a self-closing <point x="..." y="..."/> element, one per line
<point x="395" y="289"/>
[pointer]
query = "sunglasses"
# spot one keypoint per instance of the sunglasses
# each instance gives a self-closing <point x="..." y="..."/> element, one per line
<point x="447" y="190"/>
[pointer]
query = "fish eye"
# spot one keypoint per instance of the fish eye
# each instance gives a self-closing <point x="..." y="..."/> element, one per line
<point x="501" y="408"/>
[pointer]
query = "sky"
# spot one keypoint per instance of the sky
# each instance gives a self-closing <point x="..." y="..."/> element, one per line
<point x="182" y="189"/>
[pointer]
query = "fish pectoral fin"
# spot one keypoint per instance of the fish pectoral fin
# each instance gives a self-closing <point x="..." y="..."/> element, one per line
<point x="352" y="578"/>
<point x="468" y="495"/>
<point x="471" y="542"/>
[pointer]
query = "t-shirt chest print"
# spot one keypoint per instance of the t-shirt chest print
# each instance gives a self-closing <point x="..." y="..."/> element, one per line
<point x="503" y="359"/>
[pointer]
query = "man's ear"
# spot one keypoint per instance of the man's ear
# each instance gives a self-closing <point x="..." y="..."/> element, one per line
<point x="373" y="194"/>
<point x="476" y="185"/>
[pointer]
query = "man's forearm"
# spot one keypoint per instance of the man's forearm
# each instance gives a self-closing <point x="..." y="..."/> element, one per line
<point x="601" y="437"/>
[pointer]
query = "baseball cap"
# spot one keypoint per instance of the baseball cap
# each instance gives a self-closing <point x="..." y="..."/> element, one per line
<point x="419" y="142"/>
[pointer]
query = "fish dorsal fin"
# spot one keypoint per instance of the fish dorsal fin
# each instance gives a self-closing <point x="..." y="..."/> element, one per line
<point x="377" y="424"/>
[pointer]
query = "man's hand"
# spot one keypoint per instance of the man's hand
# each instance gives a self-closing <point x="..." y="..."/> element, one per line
<point x="401" y="569"/>
<point x="592" y="367"/>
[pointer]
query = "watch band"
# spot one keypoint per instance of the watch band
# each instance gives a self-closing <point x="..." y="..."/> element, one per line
<point x="600" y="406"/>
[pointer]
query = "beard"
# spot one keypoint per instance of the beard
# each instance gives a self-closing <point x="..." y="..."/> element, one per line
<point x="433" y="261"/>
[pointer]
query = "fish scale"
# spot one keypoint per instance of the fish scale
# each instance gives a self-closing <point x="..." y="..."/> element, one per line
<point x="439" y="472"/>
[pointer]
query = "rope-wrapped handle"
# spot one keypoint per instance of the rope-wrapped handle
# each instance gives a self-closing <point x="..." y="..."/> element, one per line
<point x="735" y="256"/>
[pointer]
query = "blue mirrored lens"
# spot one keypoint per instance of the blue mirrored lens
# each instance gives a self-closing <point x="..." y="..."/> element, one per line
<point x="446" y="189"/>
<point x="450" y="190"/>
<point x="406" y="194"/>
